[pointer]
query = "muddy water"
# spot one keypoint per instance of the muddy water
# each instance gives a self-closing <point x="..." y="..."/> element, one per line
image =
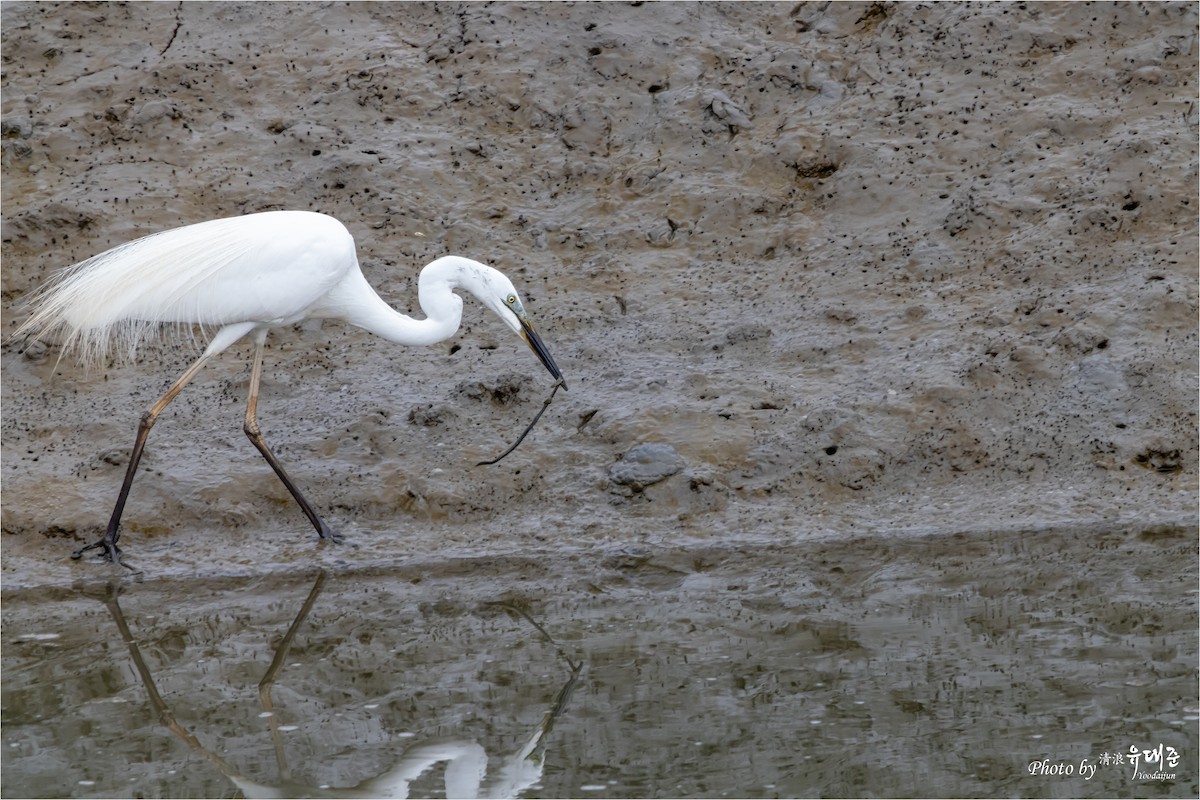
<point x="937" y="669"/>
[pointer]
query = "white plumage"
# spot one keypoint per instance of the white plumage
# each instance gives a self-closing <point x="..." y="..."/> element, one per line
<point x="246" y="274"/>
<point x="267" y="268"/>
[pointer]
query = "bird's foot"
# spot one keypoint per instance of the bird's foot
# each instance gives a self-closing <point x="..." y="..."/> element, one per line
<point x="112" y="553"/>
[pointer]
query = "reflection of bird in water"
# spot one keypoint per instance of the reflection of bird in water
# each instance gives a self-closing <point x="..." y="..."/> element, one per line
<point x="466" y="768"/>
<point x="245" y="275"/>
<point x="466" y="761"/>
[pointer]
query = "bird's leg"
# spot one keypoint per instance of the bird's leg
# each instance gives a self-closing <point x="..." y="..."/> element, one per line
<point x="256" y="438"/>
<point x="109" y="540"/>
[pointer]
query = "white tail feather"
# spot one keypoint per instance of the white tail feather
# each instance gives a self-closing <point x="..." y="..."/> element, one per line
<point x="125" y="294"/>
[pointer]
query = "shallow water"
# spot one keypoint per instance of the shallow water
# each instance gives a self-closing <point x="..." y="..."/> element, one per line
<point x="849" y="669"/>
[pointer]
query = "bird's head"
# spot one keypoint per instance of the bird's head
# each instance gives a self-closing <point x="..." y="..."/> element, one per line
<point x="493" y="288"/>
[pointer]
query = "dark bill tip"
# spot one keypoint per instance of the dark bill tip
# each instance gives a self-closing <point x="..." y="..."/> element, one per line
<point x="539" y="349"/>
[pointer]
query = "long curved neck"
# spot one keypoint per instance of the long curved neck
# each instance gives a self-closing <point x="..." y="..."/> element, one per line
<point x="362" y="307"/>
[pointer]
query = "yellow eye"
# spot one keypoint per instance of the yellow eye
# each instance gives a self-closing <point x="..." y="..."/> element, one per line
<point x="512" y="299"/>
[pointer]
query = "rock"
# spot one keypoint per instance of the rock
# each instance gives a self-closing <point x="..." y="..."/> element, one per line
<point x="152" y="111"/>
<point x="646" y="465"/>
<point x="729" y="112"/>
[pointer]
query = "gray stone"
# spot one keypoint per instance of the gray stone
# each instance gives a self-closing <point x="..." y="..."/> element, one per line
<point x="646" y="465"/>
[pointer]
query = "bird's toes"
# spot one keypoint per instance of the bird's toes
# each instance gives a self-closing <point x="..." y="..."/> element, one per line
<point x="78" y="554"/>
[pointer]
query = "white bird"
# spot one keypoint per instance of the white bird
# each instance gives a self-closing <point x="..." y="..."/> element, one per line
<point x="246" y="275"/>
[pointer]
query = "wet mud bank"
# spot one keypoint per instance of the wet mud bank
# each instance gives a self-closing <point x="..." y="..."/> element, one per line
<point x="892" y="269"/>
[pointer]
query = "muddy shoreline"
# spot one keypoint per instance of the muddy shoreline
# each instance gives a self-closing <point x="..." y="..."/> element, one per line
<point x="979" y="313"/>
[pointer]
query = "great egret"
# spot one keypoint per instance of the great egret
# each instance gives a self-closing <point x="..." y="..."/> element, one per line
<point x="246" y="275"/>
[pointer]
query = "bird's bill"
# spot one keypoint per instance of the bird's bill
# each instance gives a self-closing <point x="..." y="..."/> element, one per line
<point x="530" y="335"/>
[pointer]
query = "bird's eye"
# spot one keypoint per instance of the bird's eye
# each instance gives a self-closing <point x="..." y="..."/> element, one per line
<point x="512" y="300"/>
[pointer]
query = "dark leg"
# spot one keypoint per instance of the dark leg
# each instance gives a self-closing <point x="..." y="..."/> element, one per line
<point x="268" y="680"/>
<point x="255" y="435"/>
<point x="109" y="541"/>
